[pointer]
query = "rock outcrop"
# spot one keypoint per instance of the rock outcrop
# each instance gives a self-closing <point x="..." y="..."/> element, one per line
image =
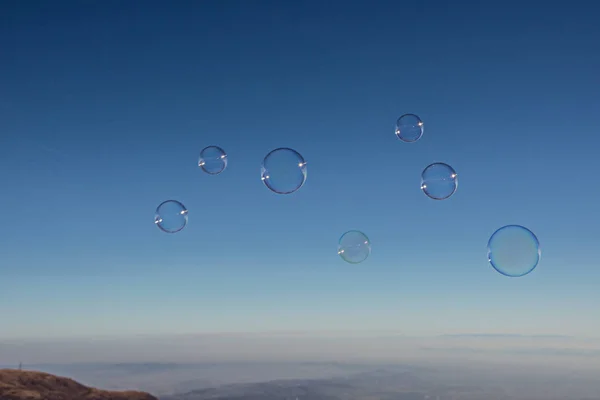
<point x="33" y="385"/>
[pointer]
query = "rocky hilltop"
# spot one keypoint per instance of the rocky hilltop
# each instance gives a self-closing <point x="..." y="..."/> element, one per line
<point x="33" y="385"/>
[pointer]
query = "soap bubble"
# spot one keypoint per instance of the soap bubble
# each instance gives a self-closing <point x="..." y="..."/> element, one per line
<point x="439" y="181"/>
<point x="213" y="160"/>
<point x="283" y="171"/>
<point x="409" y="128"/>
<point x="514" y="251"/>
<point x="354" y="247"/>
<point x="171" y="216"/>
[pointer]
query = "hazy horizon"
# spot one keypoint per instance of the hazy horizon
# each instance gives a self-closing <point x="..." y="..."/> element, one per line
<point x="306" y="347"/>
<point x="520" y="367"/>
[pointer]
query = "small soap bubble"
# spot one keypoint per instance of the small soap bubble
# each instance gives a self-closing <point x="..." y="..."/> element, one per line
<point x="354" y="247"/>
<point x="283" y="171"/>
<point x="439" y="181"/>
<point x="213" y="160"/>
<point x="409" y="128"/>
<point x="171" y="216"/>
<point x="514" y="251"/>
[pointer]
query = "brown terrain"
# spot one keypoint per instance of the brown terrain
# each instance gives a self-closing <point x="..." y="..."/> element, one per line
<point x="33" y="385"/>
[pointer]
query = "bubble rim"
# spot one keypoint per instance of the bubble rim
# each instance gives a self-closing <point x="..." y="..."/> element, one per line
<point x="340" y="245"/>
<point x="455" y="181"/>
<point x="303" y="168"/>
<point x="537" y="242"/>
<point x="157" y="215"/>
<point x="422" y="128"/>
<point x="202" y="158"/>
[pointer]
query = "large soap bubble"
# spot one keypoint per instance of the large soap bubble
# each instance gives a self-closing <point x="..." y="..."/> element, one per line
<point x="213" y="160"/>
<point x="171" y="216"/>
<point x="283" y="171"/>
<point x="439" y="181"/>
<point x="409" y="128"/>
<point x="354" y="247"/>
<point x="514" y="251"/>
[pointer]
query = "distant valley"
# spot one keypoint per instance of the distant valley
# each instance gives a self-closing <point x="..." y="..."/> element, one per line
<point x="379" y="384"/>
<point x="332" y="381"/>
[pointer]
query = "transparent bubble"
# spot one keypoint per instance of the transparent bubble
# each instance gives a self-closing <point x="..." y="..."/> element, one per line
<point x="439" y="181"/>
<point x="409" y="128"/>
<point x="171" y="216"/>
<point x="283" y="171"/>
<point x="354" y="247"/>
<point x="213" y="160"/>
<point x="514" y="251"/>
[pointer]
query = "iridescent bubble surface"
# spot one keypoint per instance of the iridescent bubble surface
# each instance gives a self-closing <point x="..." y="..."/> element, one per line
<point x="514" y="250"/>
<point x="409" y="128"/>
<point x="171" y="216"/>
<point x="213" y="160"/>
<point x="283" y="171"/>
<point x="439" y="181"/>
<point x="354" y="247"/>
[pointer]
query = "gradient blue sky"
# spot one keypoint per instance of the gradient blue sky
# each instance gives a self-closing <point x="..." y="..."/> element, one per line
<point x="105" y="106"/>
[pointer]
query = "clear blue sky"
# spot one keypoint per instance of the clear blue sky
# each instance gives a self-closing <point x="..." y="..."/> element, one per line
<point x="105" y="106"/>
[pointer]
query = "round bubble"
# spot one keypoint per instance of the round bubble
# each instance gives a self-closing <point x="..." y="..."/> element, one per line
<point x="213" y="160"/>
<point x="439" y="181"/>
<point x="171" y="216"/>
<point x="354" y="247"/>
<point x="514" y="251"/>
<point x="409" y="128"/>
<point x="283" y="171"/>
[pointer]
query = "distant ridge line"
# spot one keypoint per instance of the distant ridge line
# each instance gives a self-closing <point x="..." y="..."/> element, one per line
<point x="507" y="335"/>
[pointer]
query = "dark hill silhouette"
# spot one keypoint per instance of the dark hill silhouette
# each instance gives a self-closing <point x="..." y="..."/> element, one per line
<point x="33" y="385"/>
